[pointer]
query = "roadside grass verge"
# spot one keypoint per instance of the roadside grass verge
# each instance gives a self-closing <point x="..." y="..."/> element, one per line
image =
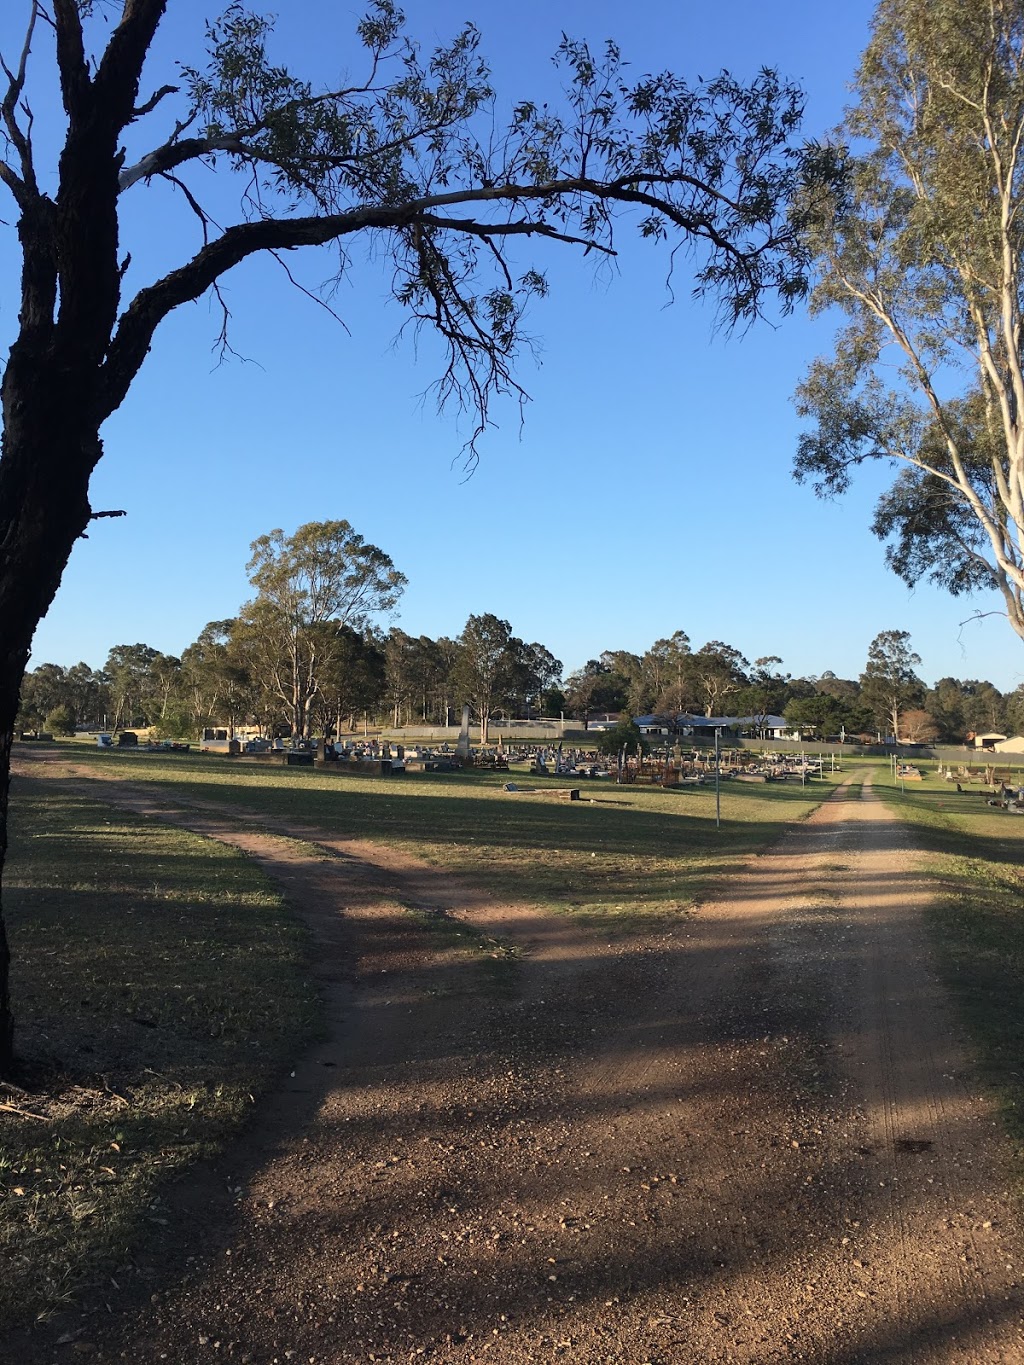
<point x="162" y="983"/>
<point x="618" y="852"/>
<point x="976" y="855"/>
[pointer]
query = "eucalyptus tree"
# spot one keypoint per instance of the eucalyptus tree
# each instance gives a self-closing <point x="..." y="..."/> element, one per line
<point x="889" y="685"/>
<point x="401" y="656"/>
<point x="600" y="686"/>
<point x="485" y="669"/>
<point x="216" y="684"/>
<point x="922" y="252"/>
<point x="1015" y="711"/>
<point x="409" y="157"/>
<point x="130" y="671"/>
<point x="958" y="706"/>
<point x="945" y="704"/>
<point x="309" y="584"/>
<point x="352" y="681"/>
<point x="666" y="673"/>
<point x="766" y="693"/>
<point x="88" y="693"/>
<point x="823" y="712"/>
<point x="41" y="690"/>
<point x="79" y="688"/>
<point x="984" y="707"/>
<point x="717" y="671"/>
<point x="535" y="670"/>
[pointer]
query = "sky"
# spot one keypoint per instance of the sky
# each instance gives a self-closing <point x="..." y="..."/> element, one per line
<point x="648" y="488"/>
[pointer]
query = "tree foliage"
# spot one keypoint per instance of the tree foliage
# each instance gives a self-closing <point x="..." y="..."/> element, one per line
<point x="308" y="586"/>
<point x="889" y="685"/>
<point x="485" y="665"/>
<point x="600" y="686"/>
<point x="718" y="673"/>
<point x="623" y="735"/>
<point x="922" y="252"/>
<point x="61" y="720"/>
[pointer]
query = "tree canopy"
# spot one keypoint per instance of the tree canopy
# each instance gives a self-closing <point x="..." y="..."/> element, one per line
<point x="309" y="585"/>
<point x="921" y="250"/>
<point x="889" y="685"/>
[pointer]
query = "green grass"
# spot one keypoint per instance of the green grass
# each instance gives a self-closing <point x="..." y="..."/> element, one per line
<point x="619" y="851"/>
<point x="976" y="856"/>
<point x="162" y="985"/>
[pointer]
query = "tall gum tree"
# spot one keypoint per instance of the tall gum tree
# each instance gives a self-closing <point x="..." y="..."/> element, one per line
<point x="308" y="585"/>
<point x="921" y="250"/>
<point x="411" y="154"/>
<point x="889" y="685"/>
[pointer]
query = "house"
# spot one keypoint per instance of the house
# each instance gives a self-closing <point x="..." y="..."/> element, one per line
<point x="652" y="725"/>
<point x="687" y="723"/>
<point x="1013" y="745"/>
<point x="756" y="727"/>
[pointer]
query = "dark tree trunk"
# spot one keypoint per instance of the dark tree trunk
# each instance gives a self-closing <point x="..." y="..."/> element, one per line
<point x="44" y="508"/>
<point x="6" y="1012"/>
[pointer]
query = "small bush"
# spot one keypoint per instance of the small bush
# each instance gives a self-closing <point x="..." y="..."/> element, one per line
<point x="627" y="733"/>
<point x="61" y="721"/>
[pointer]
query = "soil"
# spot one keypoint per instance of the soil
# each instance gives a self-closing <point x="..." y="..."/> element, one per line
<point x="750" y="1135"/>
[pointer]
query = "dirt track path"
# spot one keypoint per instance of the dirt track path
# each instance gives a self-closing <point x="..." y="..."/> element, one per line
<point x="752" y="1137"/>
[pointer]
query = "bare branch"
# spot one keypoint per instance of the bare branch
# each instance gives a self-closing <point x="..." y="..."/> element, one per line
<point x="194" y="205"/>
<point x="15" y="184"/>
<point x="237" y="143"/>
<point x="313" y="298"/>
<point x="154" y="100"/>
<point x="99" y="516"/>
<point x="24" y="185"/>
<point x="173" y="154"/>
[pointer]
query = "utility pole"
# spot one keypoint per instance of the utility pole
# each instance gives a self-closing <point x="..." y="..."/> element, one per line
<point x="718" y="778"/>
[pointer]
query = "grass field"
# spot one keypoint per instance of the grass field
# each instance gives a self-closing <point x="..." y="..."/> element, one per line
<point x="160" y="984"/>
<point x="976" y="855"/>
<point x="618" y="851"/>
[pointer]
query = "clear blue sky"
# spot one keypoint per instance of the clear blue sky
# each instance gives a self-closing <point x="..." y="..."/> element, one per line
<point x="649" y="489"/>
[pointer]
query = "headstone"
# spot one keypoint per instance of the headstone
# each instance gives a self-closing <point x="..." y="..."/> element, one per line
<point x="462" y="748"/>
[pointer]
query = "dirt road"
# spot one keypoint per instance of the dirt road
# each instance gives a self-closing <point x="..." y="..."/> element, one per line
<point x="753" y="1136"/>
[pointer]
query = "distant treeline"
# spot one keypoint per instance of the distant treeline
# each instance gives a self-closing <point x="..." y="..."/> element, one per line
<point x="234" y="674"/>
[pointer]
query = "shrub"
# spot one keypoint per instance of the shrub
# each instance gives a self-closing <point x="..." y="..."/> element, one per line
<point x="61" y="721"/>
<point x="627" y="733"/>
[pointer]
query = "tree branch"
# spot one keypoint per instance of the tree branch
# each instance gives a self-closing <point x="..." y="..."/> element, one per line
<point x="24" y="186"/>
<point x="470" y="227"/>
<point x="173" y="154"/>
<point x="154" y="100"/>
<point x="120" y="70"/>
<point x="16" y="185"/>
<point x="71" y="63"/>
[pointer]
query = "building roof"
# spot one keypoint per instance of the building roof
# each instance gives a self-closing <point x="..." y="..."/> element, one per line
<point x="688" y="718"/>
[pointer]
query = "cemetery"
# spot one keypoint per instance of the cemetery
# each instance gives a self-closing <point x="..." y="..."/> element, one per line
<point x="665" y="1010"/>
<point x="619" y="849"/>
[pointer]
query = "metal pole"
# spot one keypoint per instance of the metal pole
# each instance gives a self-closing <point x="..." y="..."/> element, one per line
<point x="718" y="780"/>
